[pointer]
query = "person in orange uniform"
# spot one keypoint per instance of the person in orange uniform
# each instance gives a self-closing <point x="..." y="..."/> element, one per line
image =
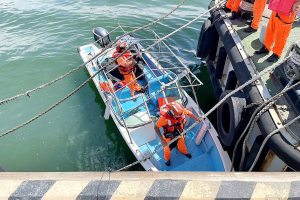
<point x="126" y="67"/>
<point x="228" y="5"/>
<point x="234" y="9"/>
<point x="172" y="120"/>
<point x="278" y="30"/>
<point x="258" y="10"/>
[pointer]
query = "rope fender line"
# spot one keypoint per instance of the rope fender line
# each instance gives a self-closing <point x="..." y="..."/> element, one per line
<point x="267" y="138"/>
<point x="82" y="65"/>
<point x="264" y="109"/>
<point x="62" y="100"/>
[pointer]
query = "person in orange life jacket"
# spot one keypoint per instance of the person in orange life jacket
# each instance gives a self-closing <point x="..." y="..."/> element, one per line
<point x="172" y="120"/>
<point x="127" y="67"/>
<point x="278" y="30"/>
<point x="258" y="10"/>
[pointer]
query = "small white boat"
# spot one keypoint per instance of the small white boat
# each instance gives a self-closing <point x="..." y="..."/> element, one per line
<point x="135" y="117"/>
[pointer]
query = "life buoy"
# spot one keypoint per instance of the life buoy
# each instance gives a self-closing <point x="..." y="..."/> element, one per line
<point x="229" y="117"/>
<point x="205" y="39"/>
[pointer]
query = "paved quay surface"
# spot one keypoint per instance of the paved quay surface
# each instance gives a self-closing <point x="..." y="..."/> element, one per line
<point x="149" y="185"/>
<point x="252" y="43"/>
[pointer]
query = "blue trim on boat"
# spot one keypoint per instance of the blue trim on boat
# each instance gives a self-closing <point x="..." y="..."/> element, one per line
<point x="205" y="156"/>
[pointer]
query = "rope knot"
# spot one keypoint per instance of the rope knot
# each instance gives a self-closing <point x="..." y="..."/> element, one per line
<point x="292" y="65"/>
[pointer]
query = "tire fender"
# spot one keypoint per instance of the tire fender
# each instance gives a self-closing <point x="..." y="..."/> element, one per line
<point x="229" y="117"/>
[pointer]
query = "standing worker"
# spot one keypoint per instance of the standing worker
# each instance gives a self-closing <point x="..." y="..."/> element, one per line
<point x="258" y="10"/>
<point x="127" y="67"/>
<point x="172" y="120"/>
<point x="228" y="6"/>
<point x="233" y="6"/>
<point x="234" y="9"/>
<point x="279" y="27"/>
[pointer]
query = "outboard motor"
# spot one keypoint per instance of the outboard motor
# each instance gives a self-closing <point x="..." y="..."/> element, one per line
<point x="101" y="36"/>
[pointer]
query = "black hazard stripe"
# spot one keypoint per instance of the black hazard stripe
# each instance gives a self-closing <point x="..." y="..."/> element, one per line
<point x="102" y="190"/>
<point x="166" y="189"/>
<point x="32" y="190"/>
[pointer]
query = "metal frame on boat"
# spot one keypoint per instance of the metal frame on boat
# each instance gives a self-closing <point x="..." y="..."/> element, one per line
<point x="141" y="137"/>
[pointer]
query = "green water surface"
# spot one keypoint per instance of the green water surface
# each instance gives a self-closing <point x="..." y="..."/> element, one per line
<point x="39" y="41"/>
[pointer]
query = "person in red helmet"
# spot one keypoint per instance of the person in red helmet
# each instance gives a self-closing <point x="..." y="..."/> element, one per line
<point x="172" y="120"/>
<point x="127" y="67"/>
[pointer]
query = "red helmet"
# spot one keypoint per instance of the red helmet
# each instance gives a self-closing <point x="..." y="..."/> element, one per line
<point x="120" y="45"/>
<point x="176" y="109"/>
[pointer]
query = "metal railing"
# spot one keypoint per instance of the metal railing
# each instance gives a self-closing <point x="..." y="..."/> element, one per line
<point x="118" y="109"/>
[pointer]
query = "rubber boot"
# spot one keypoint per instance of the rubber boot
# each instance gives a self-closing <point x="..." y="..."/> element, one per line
<point x="233" y="15"/>
<point x="273" y="58"/>
<point x="263" y="50"/>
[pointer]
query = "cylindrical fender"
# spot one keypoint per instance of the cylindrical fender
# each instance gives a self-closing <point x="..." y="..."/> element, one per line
<point x="205" y="39"/>
<point x="229" y="115"/>
<point x="231" y="81"/>
<point x="221" y="63"/>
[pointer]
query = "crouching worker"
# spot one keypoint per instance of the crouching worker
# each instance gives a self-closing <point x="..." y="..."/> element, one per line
<point x="172" y="120"/>
<point x="127" y="67"/>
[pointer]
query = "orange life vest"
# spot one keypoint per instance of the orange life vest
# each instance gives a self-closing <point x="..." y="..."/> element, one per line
<point x="173" y="123"/>
<point x="123" y="70"/>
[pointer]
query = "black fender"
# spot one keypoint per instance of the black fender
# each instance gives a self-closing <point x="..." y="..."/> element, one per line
<point x="229" y="117"/>
<point x="205" y="39"/>
<point x="279" y="145"/>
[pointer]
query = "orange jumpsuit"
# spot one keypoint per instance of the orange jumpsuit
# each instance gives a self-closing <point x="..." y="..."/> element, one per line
<point x="181" y="141"/>
<point x="258" y="9"/>
<point x="235" y="5"/>
<point x="229" y="4"/>
<point x="128" y="75"/>
<point x="278" y="32"/>
<point x="132" y="86"/>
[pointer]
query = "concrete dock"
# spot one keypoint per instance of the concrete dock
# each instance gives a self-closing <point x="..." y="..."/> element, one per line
<point x="149" y="185"/>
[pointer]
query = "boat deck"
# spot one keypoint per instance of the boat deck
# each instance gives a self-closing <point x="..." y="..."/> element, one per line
<point x="252" y="43"/>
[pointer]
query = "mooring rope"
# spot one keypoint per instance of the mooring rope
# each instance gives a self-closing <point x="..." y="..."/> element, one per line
<point x="266" y="108"/>
<point x="62" y="100"/>
<point x="267" y="138"/>
<point x="79" y="67"/>
<point x="263" y="104"/>
<point x="266" y="71"/>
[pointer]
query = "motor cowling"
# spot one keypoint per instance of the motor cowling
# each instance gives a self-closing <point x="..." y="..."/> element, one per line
<point x="101" y="36"/>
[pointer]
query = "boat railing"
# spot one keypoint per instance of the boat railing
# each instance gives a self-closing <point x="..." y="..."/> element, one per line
<point x="173" y="83"/>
